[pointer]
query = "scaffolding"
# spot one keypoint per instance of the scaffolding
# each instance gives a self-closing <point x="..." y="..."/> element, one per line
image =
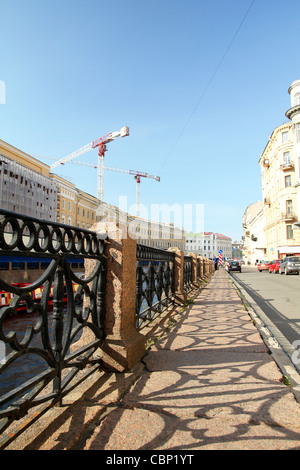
<point x="25" y="191"/>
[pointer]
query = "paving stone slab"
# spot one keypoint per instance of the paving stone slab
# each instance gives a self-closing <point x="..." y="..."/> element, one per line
<point x="187" y="396"/>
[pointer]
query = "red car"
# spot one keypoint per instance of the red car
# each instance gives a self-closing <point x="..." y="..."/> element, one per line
<point x="263" y="266"/>
<point x="274" y="266"/>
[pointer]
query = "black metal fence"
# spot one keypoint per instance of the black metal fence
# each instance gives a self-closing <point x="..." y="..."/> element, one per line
<point x="154" y="283"/>
<point x="187" y="273"/>
<point x="45" y="347"/>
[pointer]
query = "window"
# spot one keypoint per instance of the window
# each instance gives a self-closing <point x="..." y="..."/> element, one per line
<point x="285" y="137"/>
<point x="298" y="132"/>
<point x="289" y="206"/>
<point x="297" y="99"/>
<point x="69" y="206"/>
<point x="288" y="181"/>
<point x="289" y="232"/>
<point x="287" y="157"/>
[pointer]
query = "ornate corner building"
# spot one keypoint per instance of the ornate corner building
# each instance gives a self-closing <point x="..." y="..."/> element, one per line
<point x="280" y="173"/>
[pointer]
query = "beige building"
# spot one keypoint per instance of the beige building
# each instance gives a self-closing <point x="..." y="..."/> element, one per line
<point x="254" y="236"/>
<point x="75" y="207"/>
<point x="147" y="232"/>
<point x="294" y="115"/>
<point x="280" y="184"/>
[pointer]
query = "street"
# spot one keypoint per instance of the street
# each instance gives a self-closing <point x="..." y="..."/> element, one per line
<point x="278" y="296"/>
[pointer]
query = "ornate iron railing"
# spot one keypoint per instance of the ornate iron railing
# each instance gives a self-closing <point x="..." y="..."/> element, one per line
<point x="198" y="270"/>
<point x="187" y="273"/>
<point x="154" y="283"/>
<point x="46" y="347"/>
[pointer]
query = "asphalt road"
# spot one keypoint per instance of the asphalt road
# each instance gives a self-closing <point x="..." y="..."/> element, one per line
<point x="278" y="296"/>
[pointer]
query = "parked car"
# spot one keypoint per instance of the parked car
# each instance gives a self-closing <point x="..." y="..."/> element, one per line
<point x="290" y="264"/>
<point x="233" y="266"/>
<point x="274" y="266"/>
<point x="263" y="266"/>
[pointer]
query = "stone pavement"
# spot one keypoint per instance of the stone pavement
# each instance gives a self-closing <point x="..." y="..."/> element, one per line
<point x="209" y="383"/>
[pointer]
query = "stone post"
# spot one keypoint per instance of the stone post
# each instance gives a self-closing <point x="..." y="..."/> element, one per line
<point x="180" y="295"/>
<point x="201" y="267"/>
<point x="123" y="345"/>
<point x="206" y="268"/>
<point x="194" y="268"/>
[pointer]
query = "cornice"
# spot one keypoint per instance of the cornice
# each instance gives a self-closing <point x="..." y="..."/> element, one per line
<point x="293" y="111"/>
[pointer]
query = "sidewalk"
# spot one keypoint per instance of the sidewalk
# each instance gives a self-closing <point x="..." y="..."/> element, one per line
<point x="209" y="383"/>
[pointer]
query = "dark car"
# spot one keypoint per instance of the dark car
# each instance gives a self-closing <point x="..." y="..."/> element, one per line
<point x="290" y="264"/>
<point x="234" y="266"/>
<point x="274" y="266"/>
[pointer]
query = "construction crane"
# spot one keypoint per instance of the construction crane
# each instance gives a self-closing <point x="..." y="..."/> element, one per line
<point x="101" y="144"/>
<point x="137" y="175"/>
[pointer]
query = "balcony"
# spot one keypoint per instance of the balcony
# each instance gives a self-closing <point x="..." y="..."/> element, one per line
<point x="293" y="111"/>
<point x="288" y="216"/>
<point x="287" y="166"/>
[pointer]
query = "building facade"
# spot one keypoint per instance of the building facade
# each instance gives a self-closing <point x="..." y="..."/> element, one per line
<point x="28" y="187"/>
<point x="280" y="163"/>
<point x="25" y="185"/>
<point x="146" y="232"/>
<point x="75" y="207"/>
<point x="254" y="235"/>
<point x="294" y="115"/>
<point x="208" y="244"/>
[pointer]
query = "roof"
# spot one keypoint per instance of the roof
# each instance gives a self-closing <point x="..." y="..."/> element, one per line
<point x="220" y="235"/>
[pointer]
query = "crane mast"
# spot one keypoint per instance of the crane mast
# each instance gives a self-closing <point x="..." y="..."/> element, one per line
<point x="101" y="144"/>
<point x="137" y="175"/>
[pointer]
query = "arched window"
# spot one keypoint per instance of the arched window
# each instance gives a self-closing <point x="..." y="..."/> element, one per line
<point x="297" y="99"/>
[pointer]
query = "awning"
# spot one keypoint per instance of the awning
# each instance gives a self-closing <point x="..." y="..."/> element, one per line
<point x="289" y="249"/>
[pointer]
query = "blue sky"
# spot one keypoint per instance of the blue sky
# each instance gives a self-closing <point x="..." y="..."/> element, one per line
<point x="200" y="84"/>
